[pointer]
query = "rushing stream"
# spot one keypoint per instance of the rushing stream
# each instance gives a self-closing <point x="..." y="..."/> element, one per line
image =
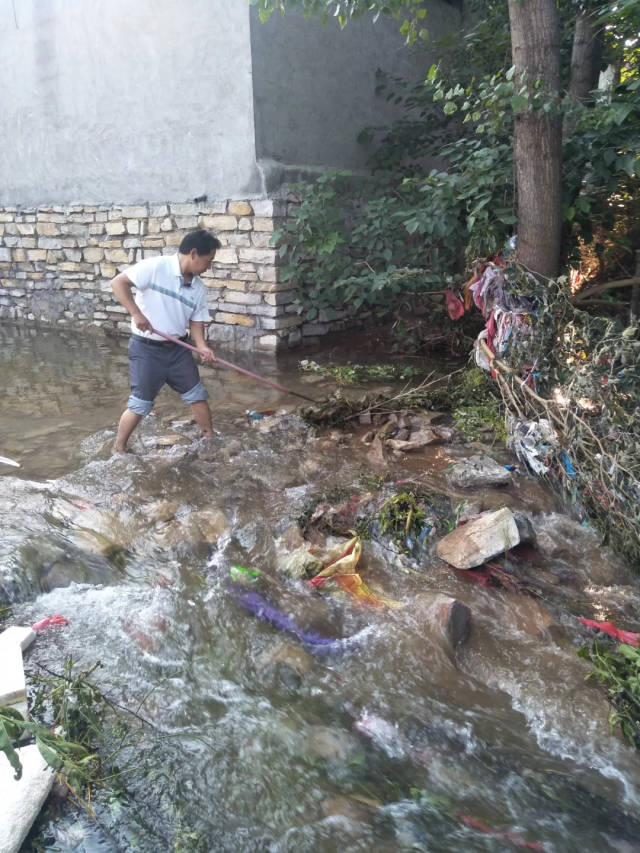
<point x="250" y="741"/>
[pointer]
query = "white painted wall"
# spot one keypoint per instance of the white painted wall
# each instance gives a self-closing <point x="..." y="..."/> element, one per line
<point x="125" y="100"/>
<point x="121" y="101"/>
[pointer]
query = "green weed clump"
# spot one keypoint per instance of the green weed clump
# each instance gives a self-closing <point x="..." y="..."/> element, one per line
<point x="619" y="672"/>
<point x="347" y="374"/>
<point x="477" y="411"/>
<point x="409" y="517"/>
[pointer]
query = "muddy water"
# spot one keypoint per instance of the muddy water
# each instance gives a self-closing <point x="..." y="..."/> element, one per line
<point x="250" y="742"/>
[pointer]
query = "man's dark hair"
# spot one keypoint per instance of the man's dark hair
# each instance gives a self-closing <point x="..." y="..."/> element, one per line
<point x="204" y="242"/>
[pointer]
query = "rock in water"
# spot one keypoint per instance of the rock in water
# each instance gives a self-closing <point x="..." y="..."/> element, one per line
<point x="478" y="471"/>
<point x="474" y="543"/>
<point x="450" y="616"/>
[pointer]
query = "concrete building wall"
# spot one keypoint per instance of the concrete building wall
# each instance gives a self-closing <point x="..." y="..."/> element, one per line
<point x="125" y="101"/>
<point x="314" y="85"/>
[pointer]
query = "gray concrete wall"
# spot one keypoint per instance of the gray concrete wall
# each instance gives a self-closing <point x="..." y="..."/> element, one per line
<point x="125" y="101"/>
<point x="315" y="86"/>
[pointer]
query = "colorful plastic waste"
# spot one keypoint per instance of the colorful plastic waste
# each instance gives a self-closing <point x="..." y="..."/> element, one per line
<point x="258" y="606"/>
<point x="455" y="308"/>
<point x="568" y="467"/>
<point x="355" y="586"/>
<point x="417" y="544"/>
<point x="518" y="840"/>
<point x="532" y="442"/>
<point x="341" y="568"/>
<point x="345" y="559"/>
<point x="384" y="734"/>
<point x="257" y="416"/>
<point x="609" y="628"/>
<point x="49" y="622"/>
<point x="239" y="573"/>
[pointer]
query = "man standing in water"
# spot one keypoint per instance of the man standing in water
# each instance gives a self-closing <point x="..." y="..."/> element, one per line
<point x="170" y="297"/>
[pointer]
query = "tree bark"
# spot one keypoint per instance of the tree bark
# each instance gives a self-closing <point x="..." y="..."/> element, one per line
<point x="585" y="62"/>
<point x="535" y="44"/>
<point x="584" y="56"/>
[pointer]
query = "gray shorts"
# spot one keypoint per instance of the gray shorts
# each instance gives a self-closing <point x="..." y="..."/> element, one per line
<point x="151" y="364"/>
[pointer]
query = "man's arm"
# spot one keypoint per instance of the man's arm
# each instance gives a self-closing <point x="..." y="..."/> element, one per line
<point x="196" y="329"/>
<point x="121" y="286"/>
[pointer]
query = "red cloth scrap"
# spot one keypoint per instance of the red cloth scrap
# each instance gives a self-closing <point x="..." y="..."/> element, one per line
<point x="609" y="628"/>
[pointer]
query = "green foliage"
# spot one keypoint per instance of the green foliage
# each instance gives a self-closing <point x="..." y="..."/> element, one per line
<point x="602" y="164"/>
<point x="619" y="673"/>
<point x="412" y="25"/>
<point x="80" y="721"/>
<point x="400" y="236"/>
<point x="348" y="244"/>
<point x="476" y="420"/>
<point x="359" y="373"/>
<point x="409" y="516"/>
<point x="402" y="515"/>
<point x="395" y="239"/>
<point x="477" y="407"/>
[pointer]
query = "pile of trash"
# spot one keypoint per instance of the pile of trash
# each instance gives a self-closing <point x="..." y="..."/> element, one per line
<point x="570" y="383"/>
<point x="403" y="432"/>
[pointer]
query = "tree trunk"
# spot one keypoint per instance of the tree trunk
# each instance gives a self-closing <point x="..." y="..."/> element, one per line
<point x="584" y="56"/>
<point x="585" y="62"/>
<point x="535" y="44"/>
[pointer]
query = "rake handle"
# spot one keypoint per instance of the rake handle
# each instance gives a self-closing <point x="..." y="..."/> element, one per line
<point x="232" y="366"/>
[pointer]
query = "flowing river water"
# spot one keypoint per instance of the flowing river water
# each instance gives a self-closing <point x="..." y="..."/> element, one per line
<point x="249" y="741"/>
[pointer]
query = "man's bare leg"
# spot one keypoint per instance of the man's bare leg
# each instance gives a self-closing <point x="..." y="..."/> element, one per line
<point x="128" y="422"/>
<point x="202" y="416"/>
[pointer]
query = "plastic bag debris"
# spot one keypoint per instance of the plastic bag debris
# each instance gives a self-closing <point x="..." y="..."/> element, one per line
<point x="298" y="564"/>
<point x="340" y="568"/>
<point x="49" y="622"/>
<point x="242" y="575"/>
<point x="518" y="840"/>
<point x="6" y="461"/>
<point x="258" y="606"/>
<point x="343" y="562"/>
<point x="455" y="308"/>
<point x="533" y="442"/>
<point x="609" y="628"/>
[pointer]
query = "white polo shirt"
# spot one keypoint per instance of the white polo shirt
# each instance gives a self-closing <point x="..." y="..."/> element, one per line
<point x="163" y="297"/>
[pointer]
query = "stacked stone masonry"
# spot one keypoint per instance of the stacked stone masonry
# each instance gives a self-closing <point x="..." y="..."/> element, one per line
<point x="57" y="262"/>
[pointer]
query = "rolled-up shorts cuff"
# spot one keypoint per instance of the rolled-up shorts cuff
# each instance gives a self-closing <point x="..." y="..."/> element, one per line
<point x="138" y="406"/>
<point x="195" y="394"/>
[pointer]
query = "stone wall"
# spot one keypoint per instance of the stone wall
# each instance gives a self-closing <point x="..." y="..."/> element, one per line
<point x="56" y="264"/>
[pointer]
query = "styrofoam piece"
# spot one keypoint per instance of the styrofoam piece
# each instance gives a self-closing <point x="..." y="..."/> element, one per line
<point x="22" y="799"/>
<point x="18" y="634"/>
<point x="12" y="684"/>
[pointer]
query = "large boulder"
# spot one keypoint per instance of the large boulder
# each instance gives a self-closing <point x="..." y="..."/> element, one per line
<point x="474" y="543"/>
<point x="476" y="471"/>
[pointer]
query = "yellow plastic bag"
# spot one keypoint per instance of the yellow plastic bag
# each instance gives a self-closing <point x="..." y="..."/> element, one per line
<point x="343" y="559"/>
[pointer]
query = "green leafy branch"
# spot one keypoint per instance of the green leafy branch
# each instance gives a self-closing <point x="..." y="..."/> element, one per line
<point x="619" y="672"/>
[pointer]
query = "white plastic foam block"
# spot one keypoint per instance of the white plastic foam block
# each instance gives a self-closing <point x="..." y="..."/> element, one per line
<point x="12" y="684"/>
<point x="18" y="634"/>
<point x="22" y="799"/>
